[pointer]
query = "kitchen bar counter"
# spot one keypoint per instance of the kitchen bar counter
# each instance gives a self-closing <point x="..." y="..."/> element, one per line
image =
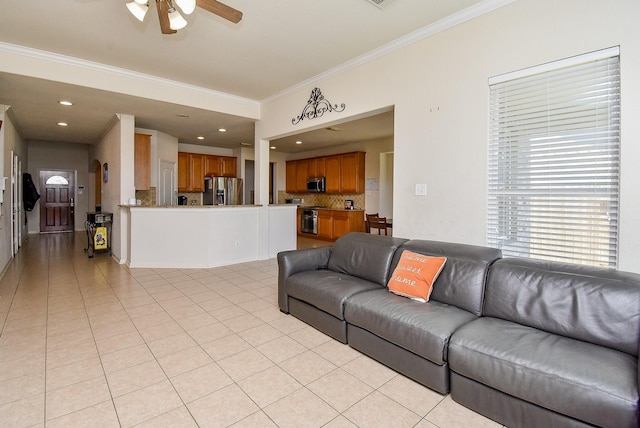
<point x="185" y="236"/>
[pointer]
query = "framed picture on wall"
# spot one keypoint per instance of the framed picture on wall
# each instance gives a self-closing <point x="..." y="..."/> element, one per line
<point x="105" y="172"/>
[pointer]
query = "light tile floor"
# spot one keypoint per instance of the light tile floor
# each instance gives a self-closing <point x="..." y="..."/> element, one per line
<point x="87" y="342"/>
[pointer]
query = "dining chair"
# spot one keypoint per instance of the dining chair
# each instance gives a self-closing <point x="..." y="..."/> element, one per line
<point x="376" y="222"/>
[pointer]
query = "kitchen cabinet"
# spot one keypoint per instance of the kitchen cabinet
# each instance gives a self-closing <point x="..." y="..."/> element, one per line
<point x="184" y="172"/>
<point x="228" y="166"/>
<point x="291" y="183"/>
<point x="332" y="224"/>
<point x="297" y="174"/>
<point x="352" y="172"/>
<point x="197" y="172"/>
<point x="193" y="167"/>
<point x="221" y="166"/>
<point x="333" y="173"/>
<point x="325" y="224"/>
<point x="142" y="161"/>
<point x="344" y="173"/>
<point x="191" y="171"/>
<point x="212" y="165"/>
<point x="302" y="173"/>
<point x="316" y="167"/>
<point x="346" y="221"/>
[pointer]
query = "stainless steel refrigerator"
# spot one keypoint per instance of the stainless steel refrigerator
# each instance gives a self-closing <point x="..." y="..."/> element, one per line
<point x="222" y="191"/>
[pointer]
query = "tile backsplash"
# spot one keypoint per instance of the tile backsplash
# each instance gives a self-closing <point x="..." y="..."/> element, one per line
<point x="323" y="199"/>
<point x="147" y="197"/>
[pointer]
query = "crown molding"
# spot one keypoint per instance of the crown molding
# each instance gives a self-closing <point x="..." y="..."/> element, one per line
<point x="458" y="18"/>
<point x="116" y="71"/>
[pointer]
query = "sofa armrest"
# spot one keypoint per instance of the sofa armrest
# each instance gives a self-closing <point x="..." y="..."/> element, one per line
<point x="291" y="262"/>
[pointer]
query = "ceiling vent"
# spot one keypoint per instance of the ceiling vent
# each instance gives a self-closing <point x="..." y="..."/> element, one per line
<point x="381" y="3"/>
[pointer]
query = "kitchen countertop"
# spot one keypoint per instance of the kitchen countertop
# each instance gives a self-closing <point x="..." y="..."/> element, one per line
<point x="187" y="206"/>
<point x="328" y="208"/>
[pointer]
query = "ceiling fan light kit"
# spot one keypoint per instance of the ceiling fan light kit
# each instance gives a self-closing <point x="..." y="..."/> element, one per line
<point x="187" y="6"/>
<point x="138" y="9"/>
<point x="171" y="20"/>
<point x="176" y="21"/>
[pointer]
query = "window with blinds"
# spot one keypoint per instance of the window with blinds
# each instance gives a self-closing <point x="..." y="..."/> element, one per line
<point x="554" y="160"/>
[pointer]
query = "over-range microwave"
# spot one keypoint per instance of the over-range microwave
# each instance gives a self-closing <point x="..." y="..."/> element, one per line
<point x="316" y="184"/>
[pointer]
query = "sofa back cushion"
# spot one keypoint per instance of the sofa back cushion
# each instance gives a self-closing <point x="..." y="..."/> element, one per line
<point x="596" y="305"/>
<point x="364" y="255"/>
<point x="462" y="280"/>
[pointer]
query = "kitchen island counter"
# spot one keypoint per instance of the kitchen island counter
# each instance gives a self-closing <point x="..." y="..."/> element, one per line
<point x="184" y="236"/>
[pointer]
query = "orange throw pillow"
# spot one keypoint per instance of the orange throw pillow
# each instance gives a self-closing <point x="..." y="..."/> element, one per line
<point x="415" y="274"/>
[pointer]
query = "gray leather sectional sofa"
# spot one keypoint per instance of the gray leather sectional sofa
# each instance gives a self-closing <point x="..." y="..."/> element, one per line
<point x="524" y="342"/>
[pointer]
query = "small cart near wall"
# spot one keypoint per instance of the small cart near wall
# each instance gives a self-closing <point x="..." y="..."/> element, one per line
<point x="98" y="227"/>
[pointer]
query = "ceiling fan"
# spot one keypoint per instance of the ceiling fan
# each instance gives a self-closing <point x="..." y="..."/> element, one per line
<point x="171" y="20"/>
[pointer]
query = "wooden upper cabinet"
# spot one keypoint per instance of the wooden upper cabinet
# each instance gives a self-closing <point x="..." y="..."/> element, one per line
<point x="221" y="166"/>
<point x="142" y="161"/>
<point x="352" y="172"/>
<point x="212" y="165"/>
<point x="228" y="166"/>
<point x="316" y="167"/>
<point x="333" y="173"/>
<point x="193" y="167"/>
<point x="302" y="173"/>
<point x="191" y="171"/>
<point x="344" y="173"/>
<point x="197" y="172"/>
<point x="184" y="172"/>
<point x="291" y="177"/>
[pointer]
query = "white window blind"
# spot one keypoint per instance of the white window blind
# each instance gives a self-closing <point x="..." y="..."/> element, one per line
<point x="554" y="160"/>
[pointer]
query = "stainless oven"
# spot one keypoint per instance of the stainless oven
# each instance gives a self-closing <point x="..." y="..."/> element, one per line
<point x="309" y="221"/>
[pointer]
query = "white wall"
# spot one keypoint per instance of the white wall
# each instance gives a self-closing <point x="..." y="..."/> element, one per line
<point x="438" y="87"/>
<point x="117" y="149"/>
<point x="10" y="140"/>
<point x="46" y="155"/>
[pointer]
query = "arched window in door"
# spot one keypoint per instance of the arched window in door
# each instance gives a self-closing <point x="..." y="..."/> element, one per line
<point x="57" y="179"/>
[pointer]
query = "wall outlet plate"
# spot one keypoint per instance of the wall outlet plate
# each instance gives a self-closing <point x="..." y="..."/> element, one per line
<point x="421" y="190"/>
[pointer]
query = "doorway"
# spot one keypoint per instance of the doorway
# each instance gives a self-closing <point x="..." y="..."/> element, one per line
<point x="166" y="194"/>
<point x="57" y="201"/>
<point x="16" y="203"/>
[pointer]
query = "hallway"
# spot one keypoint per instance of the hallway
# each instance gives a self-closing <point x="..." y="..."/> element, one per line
<point x="88" y="342"/>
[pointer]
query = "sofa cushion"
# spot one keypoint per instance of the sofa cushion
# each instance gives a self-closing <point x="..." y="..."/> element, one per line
<point x="585" y="303"/>
<point x="585" y="381"/>
<point x="462" y="280"/>
<point x="326" y="290"/>
<point x="415" y="274"/>
<point x="364" y="255"/>
<point x="422" y="328"/>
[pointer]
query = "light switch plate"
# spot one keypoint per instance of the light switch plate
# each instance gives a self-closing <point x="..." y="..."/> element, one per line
<point x="421" y="190"/>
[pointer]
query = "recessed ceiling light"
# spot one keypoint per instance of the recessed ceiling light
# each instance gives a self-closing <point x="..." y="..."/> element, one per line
<point x="272" y="147"/>
<point x="65" y="103"/>
<point x="63" y="124"/>
<point x="298" y="142"/>
<point x="200" y="137"/>
<point x="222" y="130"/>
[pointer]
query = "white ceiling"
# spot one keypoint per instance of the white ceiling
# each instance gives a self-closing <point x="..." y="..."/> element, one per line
<point x="277" y="45"/>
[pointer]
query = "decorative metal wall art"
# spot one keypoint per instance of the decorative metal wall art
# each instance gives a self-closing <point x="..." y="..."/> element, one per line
<point x="316" y="107"/>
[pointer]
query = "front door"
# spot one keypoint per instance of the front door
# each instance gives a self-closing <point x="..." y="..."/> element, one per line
<point x="56" y="203"/>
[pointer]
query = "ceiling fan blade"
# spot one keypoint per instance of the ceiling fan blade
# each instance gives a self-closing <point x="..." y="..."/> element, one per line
<point x="220" y="9"/>
<point x="163" y="15"/>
